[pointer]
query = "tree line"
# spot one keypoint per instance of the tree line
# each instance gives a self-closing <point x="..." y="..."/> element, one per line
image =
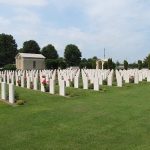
<point x="72" y="55"/>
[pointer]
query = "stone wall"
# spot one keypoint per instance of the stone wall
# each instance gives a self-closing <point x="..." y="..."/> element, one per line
<point x="27" y="63"/>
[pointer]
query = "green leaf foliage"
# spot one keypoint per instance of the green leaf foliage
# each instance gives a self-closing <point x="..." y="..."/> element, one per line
<point x="72" y="55"/>
<point x="8" y="49"/>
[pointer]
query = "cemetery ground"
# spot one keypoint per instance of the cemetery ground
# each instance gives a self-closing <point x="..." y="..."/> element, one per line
<point x="111" y="119"/>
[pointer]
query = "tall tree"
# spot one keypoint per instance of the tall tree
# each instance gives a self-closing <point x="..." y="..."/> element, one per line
<point x="133" y="65"/>
<point x="126" y="65"/>
<point x="8" y="49"/>
<point x="105" y="65"/>
<point x="147" y="62"/>
<point x="140" y="64"/>
<point x="117" y="64"/>
<point x="110" y="64"/>
<point x="95" y="58"/>
<point x="51" y="63"/>
<point x="61" y="63"/>
<point x="83" y="63"/>
<point x="20" y="50"/>
<point x="90" y="63"/>
<point x="49" y="52"/>
<point x="72" y="55"/>
<point x="31" y="47"/>
<point x="94" y="62"/>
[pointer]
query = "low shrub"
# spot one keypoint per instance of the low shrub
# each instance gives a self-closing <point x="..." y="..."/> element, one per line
<point x="91" y="86"/>
<point x="67" y="93"/>
<point x="16" y="96"/>
<point x="105" y="82"/>
<point x="104" y="89"/>
<point x="80" y="85"/>
<point x="9" y="67"/>
<point x="20" y="102"/>
<point x="131" y="79"/>
<point x="31" y="85"/>
<point x="71" y="83"/>
<point x="46" y="88"/>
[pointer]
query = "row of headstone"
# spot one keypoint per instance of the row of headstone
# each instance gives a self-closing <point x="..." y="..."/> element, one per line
<point x="121" y="76"/>
<point x="135" y="75"/>
<point x="32" y="80"/>
<point x="39" y="80"/>
<point x="95" y="77"/>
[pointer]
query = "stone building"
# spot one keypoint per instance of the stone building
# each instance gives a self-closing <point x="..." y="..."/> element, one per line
<point x="27" y="61"/>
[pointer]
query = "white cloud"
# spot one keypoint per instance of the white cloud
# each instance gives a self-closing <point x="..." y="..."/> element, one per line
<point x="24" y="2"/>
<point x="25" y="16"/>
<point x="4" y="22"/>
<point x="121" y="26"/>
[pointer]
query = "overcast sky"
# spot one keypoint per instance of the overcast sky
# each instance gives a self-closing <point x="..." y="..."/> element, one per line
<point x="120" y="26"/>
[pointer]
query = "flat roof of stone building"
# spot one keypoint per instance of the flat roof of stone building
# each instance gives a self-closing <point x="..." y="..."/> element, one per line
<point x="29" y="55"/>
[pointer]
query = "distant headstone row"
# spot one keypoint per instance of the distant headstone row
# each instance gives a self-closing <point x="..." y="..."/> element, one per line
<point x="45" y="80"/>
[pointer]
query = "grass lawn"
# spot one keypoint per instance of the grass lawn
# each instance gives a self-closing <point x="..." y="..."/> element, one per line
<point x="114" y="119"/>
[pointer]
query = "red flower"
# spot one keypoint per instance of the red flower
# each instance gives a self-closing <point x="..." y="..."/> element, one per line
<point x="31" y="85"/>
<point x="44" y="82"/>
<point x="19" y="82"/>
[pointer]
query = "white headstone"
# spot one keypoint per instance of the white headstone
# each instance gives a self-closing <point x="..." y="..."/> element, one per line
<point x="17" y="79"/>
<point x="96" y="84"/>
<point x="140" y="77"/>
<point x="67" y="83"/>
<point x="22" y="81"/>
<point x="109" y="80"/>
<point x="148" y="76"/>
<point x="85" y="83"/>
<point x="12" y="79"/>
<point x="7" y="78"/>
<point x="35" y="84"/>
<point x="100" y="80"/>
<point x="119" y="79"/>
<point x="76" y="82"/>
<point x="136" y="78"/>
<point x="11" y="93"/>
<point x="28" y="82"/>
<point x="3" y="90"/>
<point x="52" y="86"/>
<point x="4" y="78"/>
<point x="42" y="84"/>
<point x="62" y="88"/>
